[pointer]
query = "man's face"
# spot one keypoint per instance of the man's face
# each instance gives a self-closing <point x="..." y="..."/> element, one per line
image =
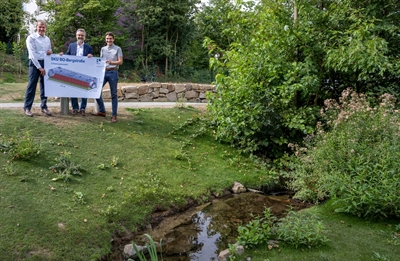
<point x="109" y="40"/>
<point x="80" y="37"/>
<point x="41" y="28"/>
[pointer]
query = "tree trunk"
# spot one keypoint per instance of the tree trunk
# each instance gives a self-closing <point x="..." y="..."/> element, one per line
<point x="166" y="54"/>
<point x="295" y="15"/>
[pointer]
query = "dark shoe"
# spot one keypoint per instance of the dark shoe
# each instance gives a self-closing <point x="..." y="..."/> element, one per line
<point x="28" y="113"/>
<point x="83" y="113"/>
<point x="47" y="112"/>
<point x="103" y="114"/>
<point x="74" y="112"/>
<point x="114" y="119"/>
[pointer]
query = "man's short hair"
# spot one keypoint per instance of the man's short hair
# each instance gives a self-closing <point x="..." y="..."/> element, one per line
<point x="110" y="34"/>
<point x="81" y="30"/>
<point x="40" y="21"/>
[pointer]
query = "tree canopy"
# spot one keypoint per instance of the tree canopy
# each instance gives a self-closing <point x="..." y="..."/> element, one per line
<point x="11" y="19"/>
<point x="287" y="57"/>
<point x="95" y="16"/>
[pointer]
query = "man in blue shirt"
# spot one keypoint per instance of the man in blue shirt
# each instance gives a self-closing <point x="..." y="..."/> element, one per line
<point x="79" y="48"/>
<point x="38" y="45"/>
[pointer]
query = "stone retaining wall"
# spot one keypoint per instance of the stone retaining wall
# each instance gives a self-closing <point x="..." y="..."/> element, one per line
<point x="162" y="92"/>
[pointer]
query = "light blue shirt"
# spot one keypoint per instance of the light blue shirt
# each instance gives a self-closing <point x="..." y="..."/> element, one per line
<point x="79" y="49"/>
<point x="111" y="53"/>
<point x="37" y="47"/>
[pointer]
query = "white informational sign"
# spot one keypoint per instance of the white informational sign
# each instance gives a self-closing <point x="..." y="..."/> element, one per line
<point x="73" y="76"/>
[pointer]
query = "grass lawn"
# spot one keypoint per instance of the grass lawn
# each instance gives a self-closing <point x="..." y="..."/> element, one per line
<point x="14" y="92"/>
<point x="130" y="168"/>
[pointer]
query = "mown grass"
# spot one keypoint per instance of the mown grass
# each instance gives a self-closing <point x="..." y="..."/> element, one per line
<point x="351" y="238"/>
<point x="14" y="92"/>
<point x="39" y="219"/>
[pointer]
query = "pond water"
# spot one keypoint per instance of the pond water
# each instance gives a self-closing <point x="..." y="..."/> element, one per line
<point x="202" y="232"/>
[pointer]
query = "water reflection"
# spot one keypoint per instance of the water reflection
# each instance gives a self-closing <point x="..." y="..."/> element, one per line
<point x="207" y="240"/>
<point x="200" y="234"/>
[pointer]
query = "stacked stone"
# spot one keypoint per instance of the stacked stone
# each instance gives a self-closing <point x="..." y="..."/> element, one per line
<point x="163" y="92"/>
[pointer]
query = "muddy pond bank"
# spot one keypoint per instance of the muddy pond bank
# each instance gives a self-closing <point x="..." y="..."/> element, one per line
<point x="202" y="232"/>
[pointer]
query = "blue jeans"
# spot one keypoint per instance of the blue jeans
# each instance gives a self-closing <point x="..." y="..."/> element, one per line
<point x="75" y="104"/>
<point x="34" y="75"/>
<point x="112" y="78"/>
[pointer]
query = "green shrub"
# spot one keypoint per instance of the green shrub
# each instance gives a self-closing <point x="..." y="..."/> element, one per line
<point x="257" y="231"/>
<point x="356" y="162"/>
<point x="297" y="229"/>
<point x="301" y="229"/>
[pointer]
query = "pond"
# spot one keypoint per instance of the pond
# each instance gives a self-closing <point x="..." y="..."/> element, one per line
<point x="202" y="232"/>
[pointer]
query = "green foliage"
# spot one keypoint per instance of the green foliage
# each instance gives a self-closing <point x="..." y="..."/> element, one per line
<point x="296" y="229"/>
<point x="21" y="146"/>
<point x="279" y="67"/>
<point x="95" y="16"/>
<point x="17" y="51"/>
<point x="379" y="257"/>
<point x="9" y="168"/>
<point x="356" y="162"/>
<point x="11" y="19"/>
<point x="257" y="231"/>
<point x="3" y="50"/>
<point x="151" y="248"/>
<point x="101" y="166"/>
<point x="164" y="29"/>
<point x="114" y="161"/>
<point x="301" y="229"/>
<point x="149" y="189"/>
<point x="110" y="211"/>
<point x="194" y="127"/>
<point x="65" y="168"/>
<point x="78" y="198"/>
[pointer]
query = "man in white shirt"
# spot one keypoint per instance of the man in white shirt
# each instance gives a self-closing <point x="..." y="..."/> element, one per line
<point x="38" y="45"/>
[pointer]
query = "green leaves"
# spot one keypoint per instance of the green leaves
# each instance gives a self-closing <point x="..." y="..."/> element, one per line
<point x="297" y="229"/>
<point x="65" y="168"/>
<point x="356" y="162"/>
<point x="95" y="16"/>
<point x="21" y="146"/>
<point x="11" y="19"/>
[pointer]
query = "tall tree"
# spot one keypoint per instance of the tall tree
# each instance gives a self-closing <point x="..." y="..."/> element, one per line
<point x="164" y="26"/>
<point x="214" y="21"/>
<point x="11" y="19"/>
<point x="95" y="16"/>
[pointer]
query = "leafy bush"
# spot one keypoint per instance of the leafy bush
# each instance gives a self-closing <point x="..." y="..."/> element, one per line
<point x="257" y="231"/>
<point x="301" y="229"/>
<point x="277" y="70"/>
<point x="356" y="162"/>
<point x="297" y="229"/>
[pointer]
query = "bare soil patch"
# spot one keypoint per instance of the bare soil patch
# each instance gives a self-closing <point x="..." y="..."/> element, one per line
<point x="61" y="120"/>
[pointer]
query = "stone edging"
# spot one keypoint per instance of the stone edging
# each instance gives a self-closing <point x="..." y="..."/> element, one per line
<point x="162" y="92"/>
